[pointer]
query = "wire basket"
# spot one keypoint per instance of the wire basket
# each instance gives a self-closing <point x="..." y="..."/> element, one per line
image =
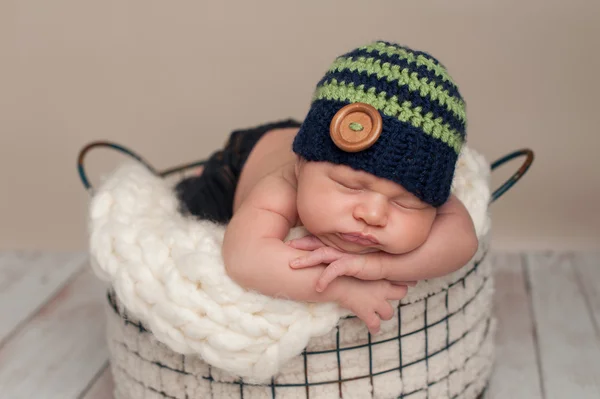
<point x="438" y="346"/>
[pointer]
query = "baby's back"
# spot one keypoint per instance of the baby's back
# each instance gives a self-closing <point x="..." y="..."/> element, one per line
<point x="272" y="155"/>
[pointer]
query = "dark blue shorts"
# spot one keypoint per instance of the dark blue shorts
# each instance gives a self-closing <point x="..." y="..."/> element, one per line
<point x="210" y="195"/>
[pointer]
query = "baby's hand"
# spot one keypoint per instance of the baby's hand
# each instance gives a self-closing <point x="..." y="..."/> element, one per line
<point x="338" y="261"/>
<point x="306" y="243"/>
<point x="362" y="266"/>
<point x="369" y="301"/>
<point x="340" y="264"/>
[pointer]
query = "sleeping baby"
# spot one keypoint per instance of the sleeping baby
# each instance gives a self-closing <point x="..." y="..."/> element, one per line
<point x="368" y="174"/>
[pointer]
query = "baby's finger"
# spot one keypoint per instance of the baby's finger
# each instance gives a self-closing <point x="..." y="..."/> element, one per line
<point x="372" y="321"/>
<point x="408" y="283"/>
<point x="331" y="272"/>
<point x="302" y="262"/>
<point x="385" y="311"/>
<point x="316" y="257"/>
<point x="397" y="292"/>
<point x="307" y="243"/>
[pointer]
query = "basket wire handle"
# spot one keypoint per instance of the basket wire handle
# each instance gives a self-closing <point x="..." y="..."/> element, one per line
<point x="517" y="175"/>
<point x="127" y="151"/>
<point x="114" y="146"/>
<point x="83" y="176"/>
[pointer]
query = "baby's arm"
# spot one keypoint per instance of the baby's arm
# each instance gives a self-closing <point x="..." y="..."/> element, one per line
<point x="451" y="243"/>
<point x="252" y="250"/>
<point x="256" y="258"/>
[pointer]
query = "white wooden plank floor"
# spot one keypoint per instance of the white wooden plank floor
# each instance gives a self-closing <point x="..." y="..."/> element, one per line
<point x="547" y="304"/>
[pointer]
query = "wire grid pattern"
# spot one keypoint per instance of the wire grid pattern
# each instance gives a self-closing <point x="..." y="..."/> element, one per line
<point x="185" y="370"/>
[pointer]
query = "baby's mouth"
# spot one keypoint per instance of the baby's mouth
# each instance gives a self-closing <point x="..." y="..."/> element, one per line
<point x="358" y="239"/>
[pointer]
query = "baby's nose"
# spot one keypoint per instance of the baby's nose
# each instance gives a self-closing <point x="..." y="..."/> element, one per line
<point x="373" y="212"/>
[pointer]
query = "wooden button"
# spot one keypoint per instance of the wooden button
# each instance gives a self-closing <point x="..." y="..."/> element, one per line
<point x="355" y="127"/>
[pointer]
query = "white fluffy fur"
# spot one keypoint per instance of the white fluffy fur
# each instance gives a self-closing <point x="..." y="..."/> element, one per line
<point x="168" y="272"/>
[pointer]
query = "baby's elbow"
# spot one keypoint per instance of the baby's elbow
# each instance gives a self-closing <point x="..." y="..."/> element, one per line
<point x="470" y="245"/>
<point x="236" y="274"/>
<point x="232" y="266"/>
<point x="465" y="247"/>
<point x="230" y="270"/>
<point x="463" y="252"/>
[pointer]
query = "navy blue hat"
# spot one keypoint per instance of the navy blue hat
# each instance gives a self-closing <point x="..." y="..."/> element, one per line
<point x="389" y="111"/>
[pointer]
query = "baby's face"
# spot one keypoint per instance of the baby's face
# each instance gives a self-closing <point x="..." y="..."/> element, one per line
<point x="338" y="204"/>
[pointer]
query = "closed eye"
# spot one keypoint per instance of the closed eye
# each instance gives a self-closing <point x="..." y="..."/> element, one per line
<point x="347" y="186"/>
<point x="400" y="204"/>
<point x="408" y="205"/>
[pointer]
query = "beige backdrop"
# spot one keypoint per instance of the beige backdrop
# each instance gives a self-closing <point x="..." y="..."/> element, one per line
<point x="170" y="79"/>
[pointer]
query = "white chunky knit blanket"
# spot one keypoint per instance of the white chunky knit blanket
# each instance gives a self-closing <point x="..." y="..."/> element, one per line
<point x="168" y="272"/>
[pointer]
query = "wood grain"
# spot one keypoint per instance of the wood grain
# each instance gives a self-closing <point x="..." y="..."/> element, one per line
<point x="28" y="280"/>
<point x="588" y="272"/>
<point x="102" y="387"/>
<point x="52" y="323"/>
<point x="516" y="374"/>
<point x="569" y="348"/>
<point x="60" y="350"/>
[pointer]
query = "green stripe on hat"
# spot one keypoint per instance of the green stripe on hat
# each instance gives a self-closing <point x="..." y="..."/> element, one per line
<point x="404" y="112"/>
<point x="404" y="77"/>
<point x="419" y="59"/>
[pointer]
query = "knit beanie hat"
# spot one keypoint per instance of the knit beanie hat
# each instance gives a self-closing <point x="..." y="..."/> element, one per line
<point x="390" y="111"/>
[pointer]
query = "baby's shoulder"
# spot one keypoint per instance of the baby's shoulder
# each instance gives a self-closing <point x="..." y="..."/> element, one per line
<point x="283" y="184"/>
<point x="275" y="193"/>
<point x="288" y="174"/>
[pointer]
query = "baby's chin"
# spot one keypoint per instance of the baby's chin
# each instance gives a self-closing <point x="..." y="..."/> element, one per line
<point x="348" y="247"/>
<point x="362" y="251"/>
<point x="357" y="249"/>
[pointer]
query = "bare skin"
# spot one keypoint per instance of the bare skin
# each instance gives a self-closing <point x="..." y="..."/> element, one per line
<point x="272" y="155"/>
<point x="277" y="191"/>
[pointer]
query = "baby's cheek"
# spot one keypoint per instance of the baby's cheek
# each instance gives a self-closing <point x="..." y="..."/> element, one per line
<point x="308" y="210"/>
<point x="422" y="227"/>
<point x="318" y="213"/>
<point x="412" y="231"/>
<point x="314" y="200"/>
